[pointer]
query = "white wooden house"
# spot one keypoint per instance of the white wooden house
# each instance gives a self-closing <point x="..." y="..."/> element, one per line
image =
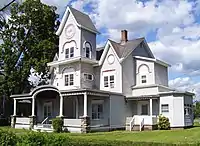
<point x="119" y="86"/>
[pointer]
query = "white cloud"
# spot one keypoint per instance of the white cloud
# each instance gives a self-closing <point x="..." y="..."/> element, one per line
<point x="186" y="84"/>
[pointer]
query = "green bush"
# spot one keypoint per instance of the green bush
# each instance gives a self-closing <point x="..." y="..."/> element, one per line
<point x="57" y="125"/>
<point x="7" y="138"/>
<point x="163" y="123"/>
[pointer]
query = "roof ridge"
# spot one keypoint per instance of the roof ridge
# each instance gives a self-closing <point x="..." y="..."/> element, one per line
<point x="70" y="7"/>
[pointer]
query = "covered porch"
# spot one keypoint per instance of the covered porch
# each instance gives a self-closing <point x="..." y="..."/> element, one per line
<point x="81" y="110"/>
<point x="142" y="112"/>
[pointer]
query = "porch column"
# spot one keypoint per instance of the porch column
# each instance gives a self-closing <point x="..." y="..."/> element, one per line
<point x="151" y="107"/>
<point x="15" y="107"/>
<point x="61" y="106"/>
<point x="85" y="105"/>
<point x="33" y="106"/>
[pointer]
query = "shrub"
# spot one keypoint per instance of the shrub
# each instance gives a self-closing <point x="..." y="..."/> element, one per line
<point x="7" y="138"/>
<point x="57" y="125"/>
<point x="163" y="123"/>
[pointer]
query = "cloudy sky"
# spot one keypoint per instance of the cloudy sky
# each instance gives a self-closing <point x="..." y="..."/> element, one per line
<point x="171" y="28"/>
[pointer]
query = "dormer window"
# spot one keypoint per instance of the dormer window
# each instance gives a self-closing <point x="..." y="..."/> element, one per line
<point x="88" y="50"/>
<point x="69" y="52"/>
<point x="144" y="79"/>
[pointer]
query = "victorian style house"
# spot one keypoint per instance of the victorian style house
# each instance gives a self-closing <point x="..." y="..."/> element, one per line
<point x="119" y="86"/>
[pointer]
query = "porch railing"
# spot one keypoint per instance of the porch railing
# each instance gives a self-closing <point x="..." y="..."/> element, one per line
<point x="142" y="124"/>
<point x="22" y="120"/>
<point x="132" y="123"/>
<point x="45" y="120"/>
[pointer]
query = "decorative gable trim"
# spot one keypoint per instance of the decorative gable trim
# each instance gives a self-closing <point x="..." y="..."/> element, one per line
<point x="105" y="52"/>
<point x="64" y="20"/>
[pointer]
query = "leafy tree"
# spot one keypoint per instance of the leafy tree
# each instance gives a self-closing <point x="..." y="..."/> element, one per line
<point x="29" y="41"/>
<point x="197" y="109"/>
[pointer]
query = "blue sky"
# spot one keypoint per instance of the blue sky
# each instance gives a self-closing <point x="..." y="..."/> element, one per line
<point x="171" y="28"/>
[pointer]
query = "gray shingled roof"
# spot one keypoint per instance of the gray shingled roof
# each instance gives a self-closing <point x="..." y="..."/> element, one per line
<point x="124" y="50"/>
<point x="83" y="19"/>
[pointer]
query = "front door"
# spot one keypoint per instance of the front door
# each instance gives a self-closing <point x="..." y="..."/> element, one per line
<point x="47" y="109"/>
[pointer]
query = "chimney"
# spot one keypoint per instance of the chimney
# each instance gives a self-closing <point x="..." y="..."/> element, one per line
<point x="124" y="36"/>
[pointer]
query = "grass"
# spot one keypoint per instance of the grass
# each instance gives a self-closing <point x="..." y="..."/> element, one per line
<point x="170" y="136"/>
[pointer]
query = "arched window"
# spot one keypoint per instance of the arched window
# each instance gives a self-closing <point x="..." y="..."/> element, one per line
<point x="88" y="50"/>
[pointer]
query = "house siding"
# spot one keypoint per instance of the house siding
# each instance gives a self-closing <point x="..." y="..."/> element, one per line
<point x="90" y="37"/>
<point x="128" y="75"/>
<point x="117" y="70"/>
<point x="161" y="74"/>
<point x="117" y="113"/>
<point x="65" y="43"/>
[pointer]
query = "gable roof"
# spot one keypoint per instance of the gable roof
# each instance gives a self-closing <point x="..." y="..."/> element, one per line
<point x="124" y="50"/>
<point x="82" y="20"/>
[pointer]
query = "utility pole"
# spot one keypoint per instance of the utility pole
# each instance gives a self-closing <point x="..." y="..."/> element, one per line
<point x="7" y="5"/>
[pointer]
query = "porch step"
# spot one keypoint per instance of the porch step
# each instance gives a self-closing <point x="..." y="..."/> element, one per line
<point x="43" y="128"/>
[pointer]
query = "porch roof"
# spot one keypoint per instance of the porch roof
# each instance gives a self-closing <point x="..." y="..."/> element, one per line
<point x="143" y="97"/>
<point x="35" y="91"/>
<point x="88" y="91"/>
<point x="38" y="89"/>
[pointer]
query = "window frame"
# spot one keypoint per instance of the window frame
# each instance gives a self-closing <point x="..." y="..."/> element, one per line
<point x="109" y="82"/>
<point x="70" y="53"/>
<point x="97" y="109"/>
<point x="88" y="50"/>
<point x="165" y="110"/>
<point x="69" y="79"/>
<point x="143" y="79"/>
<point x="86" y="76"/>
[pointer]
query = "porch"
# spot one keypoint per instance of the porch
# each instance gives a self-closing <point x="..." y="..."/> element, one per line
<point x="80" y="109"/>
<point x="142" y="113"/>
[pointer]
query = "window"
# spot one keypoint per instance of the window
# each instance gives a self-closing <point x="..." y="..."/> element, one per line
<point x="109" y="81"/>
<point x="144" y="109"/>
<point x="69" y="52"/>
<point x="88" y="77"/>
<point x="106" y="81"/>
<point x="72" y="52"/>
<point x="88" y="50"/>
<point x="187" y="109"/>
<point x="97" y="111"/>
<point x="112" y="82"/>
<point x="164" y="108"/>
<point x="66" y="53"/>
<point x="69" y="80"/>
<point x="144" y="79"/>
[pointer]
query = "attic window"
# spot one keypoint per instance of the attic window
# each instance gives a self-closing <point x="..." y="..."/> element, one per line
<point x="144" y="79"/>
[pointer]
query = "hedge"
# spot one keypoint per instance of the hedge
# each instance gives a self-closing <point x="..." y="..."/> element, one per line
<point x="51" y="139"/>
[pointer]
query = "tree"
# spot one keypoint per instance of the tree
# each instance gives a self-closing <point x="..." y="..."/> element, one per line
<point x="29" y="41"/>
<point x="197" y="109"/>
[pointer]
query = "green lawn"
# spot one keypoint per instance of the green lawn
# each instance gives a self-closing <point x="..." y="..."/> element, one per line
<point x="191" y="135"/>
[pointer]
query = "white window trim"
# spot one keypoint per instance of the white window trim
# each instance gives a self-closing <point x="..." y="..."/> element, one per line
<point x="98" y="102"/>
<point x="88" y="74"/>
<point x="109" y="84"/>
<point x="69" y="54"/>
<point x="69" y="79"/>
<point x="141" y="79"/>
<point x="165" y="110"/>
<point x="90" y="51"/>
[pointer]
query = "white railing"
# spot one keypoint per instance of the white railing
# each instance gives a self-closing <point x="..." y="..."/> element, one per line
<point x="72" y="122"/>
<point x="142" y="124"/>
<point x="132" y="123"/>
<point x="45" y="120"/>
<point x="22" y="120"/>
